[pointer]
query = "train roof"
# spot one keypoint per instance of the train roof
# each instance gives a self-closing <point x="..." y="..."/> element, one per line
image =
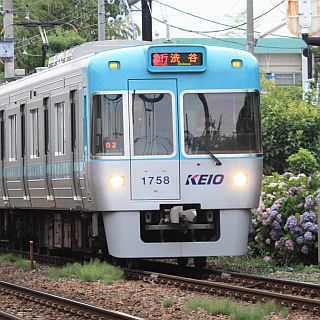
<point x="90" y="48"/>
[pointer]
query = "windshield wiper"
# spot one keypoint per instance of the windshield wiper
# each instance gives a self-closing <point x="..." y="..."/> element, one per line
<point x="212" y="156"/>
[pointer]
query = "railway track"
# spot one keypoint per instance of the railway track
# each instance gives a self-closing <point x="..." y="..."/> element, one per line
<point x="75" y="309"/>
<point x="292" y="294"/>
<point x="236" y="291"/>
<point x="8" y="316"/>
<point x="304" y="289"/>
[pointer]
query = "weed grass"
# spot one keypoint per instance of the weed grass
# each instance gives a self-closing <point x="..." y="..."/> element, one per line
<point x="91" y="271"/>
<point x="19" y="262"/>
<point x="235" y="310"/>
<point x="298" y="272"/>
<point x="168" y="302"/>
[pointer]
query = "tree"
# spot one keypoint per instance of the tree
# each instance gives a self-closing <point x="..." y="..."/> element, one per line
<point x="79" y="24"/>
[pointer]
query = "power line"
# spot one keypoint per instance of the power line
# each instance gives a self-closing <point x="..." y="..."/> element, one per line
<point x="219" y="23"/>
<point x="224" y="40"/>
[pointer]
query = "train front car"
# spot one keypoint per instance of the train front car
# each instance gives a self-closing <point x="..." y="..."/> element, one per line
<point x="176" y="159"/>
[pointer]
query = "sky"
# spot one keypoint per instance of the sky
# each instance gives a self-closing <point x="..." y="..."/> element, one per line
<point x="221" y="11"/>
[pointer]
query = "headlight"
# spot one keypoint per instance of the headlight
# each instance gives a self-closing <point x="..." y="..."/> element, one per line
<point x="240" y="179"/>
<point x="117" y="181"/>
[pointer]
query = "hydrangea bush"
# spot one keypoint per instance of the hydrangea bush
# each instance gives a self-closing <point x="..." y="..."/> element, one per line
<point x="285" y="223"/>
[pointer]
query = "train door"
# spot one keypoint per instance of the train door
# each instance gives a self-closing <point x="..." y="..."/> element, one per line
<point x="155" y="159"/>
<point x="4" y="197"/>
<point x="16" y="161"/>
<point x="46" y="148"/>
<point x="61" y="158"/>
<point x="76" y="165"/>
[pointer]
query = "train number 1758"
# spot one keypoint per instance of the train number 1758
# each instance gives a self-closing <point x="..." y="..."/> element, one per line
<point x="156" y="180"/>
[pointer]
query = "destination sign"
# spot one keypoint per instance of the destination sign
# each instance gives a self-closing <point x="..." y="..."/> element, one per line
<point x="176" y="59"/>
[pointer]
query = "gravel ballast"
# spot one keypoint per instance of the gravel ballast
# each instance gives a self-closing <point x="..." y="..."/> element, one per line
<point x="138" y="298"/>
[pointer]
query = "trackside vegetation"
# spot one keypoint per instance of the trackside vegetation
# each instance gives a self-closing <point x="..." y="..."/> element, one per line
<point x="235" y="310"/>
<point x="285" y="227"/>
<point x="19" y="262"/>
<point x="91" y="271"/>
<point x="288" y="124"/>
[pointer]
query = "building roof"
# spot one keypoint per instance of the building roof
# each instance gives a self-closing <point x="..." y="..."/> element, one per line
<point x="263" y="45"/>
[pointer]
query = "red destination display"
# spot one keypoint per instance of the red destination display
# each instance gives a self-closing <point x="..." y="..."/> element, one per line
<point x="176" y="59"/>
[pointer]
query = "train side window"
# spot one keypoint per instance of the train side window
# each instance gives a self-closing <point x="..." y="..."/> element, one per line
<point x="34" y="137"/>
<point x="73" y="105"/>
<point x="60" y="132"/>
<point x="13" y="137"/>
<point x="46" y="125"/>
<point x="2" y="132"/>
<point x="23" y="131"/>
<point x="107" y="125"/>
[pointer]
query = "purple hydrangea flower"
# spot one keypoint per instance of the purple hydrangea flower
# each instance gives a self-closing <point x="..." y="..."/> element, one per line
<point x="279" y="217"/>
<point x="300" y="240"/>
<point x="276" y="225"/>
<point x="307" y="226"/>
<point x="289" y="245"/>
<point x="309" y="202"/>
<point x="305" y="217"/>
<point x="313" y="217"/>
<point x="308" y="236"/>
<point x="292" y="191"/>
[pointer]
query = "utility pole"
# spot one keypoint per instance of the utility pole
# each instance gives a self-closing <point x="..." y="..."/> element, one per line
<point x="250" y="35"/>
<point x="8" y="36"/>
<point x="146" y="20"/>
<point x="101" y="21"/>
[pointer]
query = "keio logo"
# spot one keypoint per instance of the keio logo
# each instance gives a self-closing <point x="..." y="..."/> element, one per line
<point x="204" y="179"/>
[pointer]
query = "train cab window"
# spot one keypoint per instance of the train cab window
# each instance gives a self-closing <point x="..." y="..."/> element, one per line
<point x="60" y="132"/>
<point x="107" y="125"/>
<point x="12" y="137"/>
<point x="34" y="137"/>
<point x="152" y="124"/>
<point x="221" y="123"/>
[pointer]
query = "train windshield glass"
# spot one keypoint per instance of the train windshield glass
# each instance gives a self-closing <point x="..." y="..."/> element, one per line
<point x="152" y="124"/>
<point x="221" y="123"/>
<point x="107" y="125"/>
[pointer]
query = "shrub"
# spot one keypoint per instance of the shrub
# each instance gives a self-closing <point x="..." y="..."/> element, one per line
<point x="302" y="162"/>
<point x="288" y="123"/>
<point x="285" y="223"/>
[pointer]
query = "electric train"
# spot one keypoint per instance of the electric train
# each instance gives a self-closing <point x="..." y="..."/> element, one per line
<point x="134" y="149"/>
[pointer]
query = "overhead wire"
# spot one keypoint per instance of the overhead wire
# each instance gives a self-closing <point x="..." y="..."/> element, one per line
<point x="222" y="39"/>
<point x="30" y="39"/>
<point x="219" y="23"/>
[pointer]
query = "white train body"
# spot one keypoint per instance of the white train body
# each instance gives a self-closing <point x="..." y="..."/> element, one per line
<point x="160" y="142"/>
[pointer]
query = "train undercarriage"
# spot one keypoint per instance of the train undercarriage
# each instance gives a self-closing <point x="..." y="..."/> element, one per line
<point x="52" y="232"/>
<point x="67" y="233"/>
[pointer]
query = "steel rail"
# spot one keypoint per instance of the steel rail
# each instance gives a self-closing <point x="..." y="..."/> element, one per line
<point x="8" y="316"/>
<point x="232" y="291"/>
<point x="63" y="304"/>
<point x="267" y="283"/>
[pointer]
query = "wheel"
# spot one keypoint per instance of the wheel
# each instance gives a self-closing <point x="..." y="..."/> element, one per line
<point x="182" y="261"/>
<point x="200" y="262"/>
